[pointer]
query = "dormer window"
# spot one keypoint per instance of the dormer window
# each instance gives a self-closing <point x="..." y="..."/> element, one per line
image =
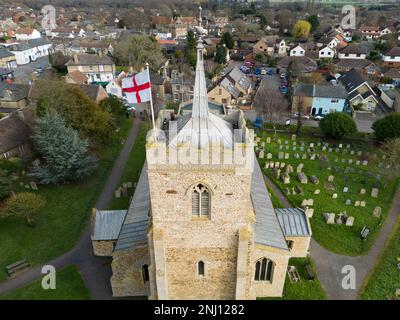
<point x="200" y="201"/>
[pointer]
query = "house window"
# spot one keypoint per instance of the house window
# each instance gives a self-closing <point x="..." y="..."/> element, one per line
<point x="90" y="68"/>
<point x="145" y="273"/>
<point x="200" y="201"/>
<point x="220" y="91"/>
<point x="334" y="100"/>
<point x="264" y="270"/>
<point x="200" y="269"/>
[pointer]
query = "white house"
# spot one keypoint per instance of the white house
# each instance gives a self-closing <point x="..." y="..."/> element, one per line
<point x="331" y="42"/>
<point x="326" y="53"/>
<point x="297" y="51"/>
<point x="385" y="31"/>
<point x="392" y="58"/>
<point x="114" y="88"/>
<point x="30" y="50"/>
<point x="23" y="34"/>
<point x="352" y="52"/>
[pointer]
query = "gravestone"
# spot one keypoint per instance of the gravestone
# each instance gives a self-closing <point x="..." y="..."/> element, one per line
<point x="350" y="161"/>
<point x="307" y="202"/>
<point x="377" y="212"/>
<point x="312" y="157"/>
<point x="340" y="146"/>
<point x="33" y="185"/>
<point x="287" y="148"/>
<point x="299" y="168"/>
<point x="329" y="218"/>
<point x="349" y="221"/>
<point x="334" y="196"/>
<point x="363" y="191"/>
<point x="374" y="192"/>
<point x="283" y="164"/>
<point x="348" y="202"/>
<point x="365" y="163"/>
<point x="309" y="212"/>
<point x="286" y="156"/>
<point x="269" y="155"/>
<point x="352" y="152"/>
<point x="301" y="148"/>
<point x="338" y="219"/>
<point x="314" y="179"/>
<point x="345" y="189"/>
<point x="359" y="153"/>
<point x="298" y="190"/>
<point x="261" y="154"/>
<point x="302" y="178"/>
<point x="294" y="137"/>
<point x="125" y="192"/>
<point x="297" y="156"/>
<point x="277" y="164"/>
<point x="129" y="184"/>
<point x="266" y="166"/>
<point x="118" y="193"/>
<point x="280" y="147"/>
<point x="294" y="148"/>
<point x="304" y="157"/>
<point x="285" y="178"/>
<point x="268" y="140"/>
<point x="330" y="150"/>
<point x="280" y="155"/>
<point x="317" y="191"/>
<point x="289" y="169"/>
<point x="277" y="173"/>
<point x="357" y="203"/>
<point x="263" y="144"/>
<point x="331" y="178"/>
<point x="363" y="204"/>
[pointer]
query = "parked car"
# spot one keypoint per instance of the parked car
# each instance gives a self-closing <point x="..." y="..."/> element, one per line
<point x="283" y="75"/>
<point x="304" y="116"/>
<point x="318" y="117"/>
<point x="284" y="82"/>
<point x="283" y="89"/>
<point x="270" y="72"/>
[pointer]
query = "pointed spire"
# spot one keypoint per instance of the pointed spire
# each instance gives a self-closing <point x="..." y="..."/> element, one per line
<point x="200" y="19"/>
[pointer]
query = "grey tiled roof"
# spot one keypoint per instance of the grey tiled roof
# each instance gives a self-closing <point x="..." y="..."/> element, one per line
<point x="267" y="228"/>
<point x="134" y="229"/>
<point x="108" y="224"/>
<point x="4" y="53"/>
<point x="89" y="59"/>
<point x="293" y="222"/>
<point x="351" y="80"/>
<point x="321" y="91"/>
<point x="18" y="91"/>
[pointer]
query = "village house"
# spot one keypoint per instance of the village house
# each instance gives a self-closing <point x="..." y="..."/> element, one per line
<point x="304" y="64"/>
<point x="326" y="53"/>
<point x="96" y="47"/>
<point x="15" y="132"/>
<point x="360" y="93"/>
<point x="384" y="31"/>
<point x="67" y="32"/>
<point x="303" y="49"/>
<point x="271" y="46"/>
<point x="76" y="77"/>
<point x="319" y="99"/>
<point x="30" y="50"/>
<point x="6" y="74"/>
<point x="27" y="34"/>
<point x="394" y="76"/>
<point x="352" y="52"/>
<point x="391" y="58"/>
<point x="331" y="42"/>
<point x="231" y="89"/>
<point x="13" y="96"/>
<point x="369" y="33"/>
<point x="363" y="66"/>
<point x="7" y="59"/>
<point x="96" y="68"/>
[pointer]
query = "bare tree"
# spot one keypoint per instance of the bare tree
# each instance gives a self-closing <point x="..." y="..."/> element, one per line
<point x="270" y="104"/>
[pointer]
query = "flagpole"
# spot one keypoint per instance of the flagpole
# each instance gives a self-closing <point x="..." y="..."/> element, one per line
<point x="151" y="99"/>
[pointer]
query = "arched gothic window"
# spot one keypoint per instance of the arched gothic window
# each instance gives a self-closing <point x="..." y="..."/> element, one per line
<point x="264" y="270"/>
<point x="200" y="201"/>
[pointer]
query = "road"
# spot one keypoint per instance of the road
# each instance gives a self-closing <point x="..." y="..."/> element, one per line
<point x="24" y="73"/>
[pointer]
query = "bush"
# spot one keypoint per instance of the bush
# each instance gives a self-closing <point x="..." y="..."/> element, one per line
<point x="23" y="204"/>
<point x="337" y="125"/>
<point x="387" y="127"/>
<point x="5" y="187"/>
<point x="115" y="108"/>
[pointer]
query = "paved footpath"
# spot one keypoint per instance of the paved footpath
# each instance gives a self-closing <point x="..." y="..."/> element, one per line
<point x="95" y="271"/>
<point x="329" y="265"/>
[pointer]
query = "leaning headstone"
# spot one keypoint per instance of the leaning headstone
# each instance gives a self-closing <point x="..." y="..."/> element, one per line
<point x="283" y="164"/>
<point x="33" y="185"/>
<point x="302" y="178"/>
<point x="266" y="166"/>
<point x="329" y="218"/>
<point x="374" y="192"/>
<point x="317" y="191"/>
<point x="309" y="212"/>
<point x="314" y="180"/>
<point x="285" y="178"/>
<point x="289" y="169"/>
<point x="349" y="221"/>
<point x="377" y="212"/>
<point x="338" y="219"/>
<point x="299" y="168"/>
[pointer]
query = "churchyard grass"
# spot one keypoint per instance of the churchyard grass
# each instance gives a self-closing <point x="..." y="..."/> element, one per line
<point x="303" y="289"/>
<point x="133" y="167"/>
<point x="274" y="199"/>
<point x="341" y="239"/>
<point x="384" y="280"/>
<point x="60" y="223"/>
<point x="69" y="286"/>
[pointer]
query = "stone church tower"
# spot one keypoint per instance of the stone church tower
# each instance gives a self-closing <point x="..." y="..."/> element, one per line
<point x="200" y="225"/>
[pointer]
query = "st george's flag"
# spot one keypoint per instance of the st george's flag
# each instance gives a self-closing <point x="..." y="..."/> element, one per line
<point x="137" y="88"/>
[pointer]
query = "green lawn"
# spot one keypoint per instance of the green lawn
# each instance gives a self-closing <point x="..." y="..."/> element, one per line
<point x="304" y="289"/>
<point x="133" y="167"/>
<point x="337" y="238"/>
<point x="69" y="286"/>
<point x="385" y="279"/>
<point x="61" y="222"/>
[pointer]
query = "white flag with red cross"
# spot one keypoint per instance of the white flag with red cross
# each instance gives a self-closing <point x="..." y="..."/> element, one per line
<point x="137" y="88"/>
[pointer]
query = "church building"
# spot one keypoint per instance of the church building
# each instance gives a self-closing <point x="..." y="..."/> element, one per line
<point x="205" y="229"/>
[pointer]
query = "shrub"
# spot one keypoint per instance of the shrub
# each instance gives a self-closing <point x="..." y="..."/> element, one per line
<point x="337" y="125"/>
<point x="387" y="127"/>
